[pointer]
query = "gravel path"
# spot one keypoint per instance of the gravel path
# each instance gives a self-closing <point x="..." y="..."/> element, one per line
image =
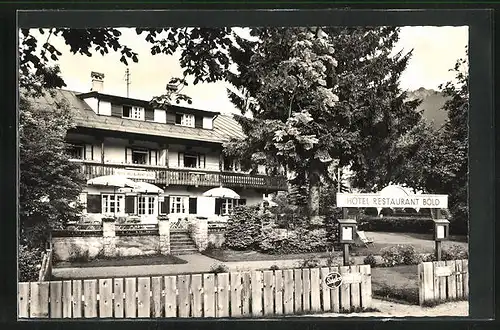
<point x="391" y="309"/>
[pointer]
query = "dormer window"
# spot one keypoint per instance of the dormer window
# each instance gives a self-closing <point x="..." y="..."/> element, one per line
<point x="184" y="119"/>
<point x="131" y="112"/>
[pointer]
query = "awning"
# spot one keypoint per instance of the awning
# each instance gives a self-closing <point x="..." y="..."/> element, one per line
<point x="221" y="192"/>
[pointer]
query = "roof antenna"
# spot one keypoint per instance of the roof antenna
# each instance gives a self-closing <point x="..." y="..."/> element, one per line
<point x="127" y="79"/>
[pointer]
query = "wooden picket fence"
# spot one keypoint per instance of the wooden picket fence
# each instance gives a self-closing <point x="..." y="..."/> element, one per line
<point x="236" y="294"/>
<point x="443" y="281"/>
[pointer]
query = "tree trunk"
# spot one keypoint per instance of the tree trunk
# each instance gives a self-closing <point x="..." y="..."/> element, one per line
<point x="314" y="197"/>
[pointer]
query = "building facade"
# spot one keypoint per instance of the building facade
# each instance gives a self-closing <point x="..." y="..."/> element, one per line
<point x="179" y="150"/>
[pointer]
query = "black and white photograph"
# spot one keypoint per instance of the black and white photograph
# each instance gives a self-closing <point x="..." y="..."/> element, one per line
<point x="243" y="172"/>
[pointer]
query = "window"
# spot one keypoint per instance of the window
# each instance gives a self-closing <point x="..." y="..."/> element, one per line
<point x="139" y="157"/>
<point x="227" y="206"/>
<point x="75" y="151"/>
<point x="184" y="119"/>
<point x="177" y="204"/>
<point x="113" y="203"/>
<point x="146" y="205"/>
<point x="133" y="112"/>
<point x="190" y="161"/>
<point x="232" y="165"/>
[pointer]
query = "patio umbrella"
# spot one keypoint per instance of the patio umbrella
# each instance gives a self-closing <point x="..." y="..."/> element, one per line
<point x="143" y="187"/>
<point x="115" y="181"/>
<point x="221" y="192"/>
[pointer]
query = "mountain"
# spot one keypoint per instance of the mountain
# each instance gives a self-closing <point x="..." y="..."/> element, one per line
<point x="432" y="102"/>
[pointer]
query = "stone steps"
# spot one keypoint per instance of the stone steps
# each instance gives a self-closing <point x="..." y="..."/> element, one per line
<point x="182" y="243"/>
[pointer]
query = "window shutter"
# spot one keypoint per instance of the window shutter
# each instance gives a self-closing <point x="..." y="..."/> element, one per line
<point x="180" y="158"/>
<point x="116" y="110"/>
<point x="166" y="205"/>
<point x="218" y="205"/>
<point x="201" y="161"/>
<point x="128" y="155"/>
<point x="88" y="152"/>
<point x="170" y="117"/>
<point x="178" y="118"/>
<point x="94" y="203"/>
<point x="130" y="204"/>
<point x="149" y="114"/>
<point x="192" y="205"/>
<point x="152" y="157"/>
<point x="198" y="122"/>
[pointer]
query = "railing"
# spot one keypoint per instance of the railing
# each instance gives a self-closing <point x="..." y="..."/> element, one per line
<point x="129" y="229"/>
<point x="79" y="229"/>
<point x="177" y="176"/>
<point x="216" y="226"/>
<point x="46" y="268"/>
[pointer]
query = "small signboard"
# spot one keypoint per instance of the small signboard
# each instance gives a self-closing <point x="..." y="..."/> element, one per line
<point x="333" y="280"/>
<point x="351" y="278"/>
<point x="136" y="174"/>
<point x="443" y="271"/>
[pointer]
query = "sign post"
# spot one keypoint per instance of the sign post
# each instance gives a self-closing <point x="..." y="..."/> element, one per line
<point x="347" y="236"/>
<point x="396" y="197"/>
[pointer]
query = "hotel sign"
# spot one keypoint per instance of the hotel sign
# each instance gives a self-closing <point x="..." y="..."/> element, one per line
<point x="386" y="201"/>
<point x="136" y="174"/>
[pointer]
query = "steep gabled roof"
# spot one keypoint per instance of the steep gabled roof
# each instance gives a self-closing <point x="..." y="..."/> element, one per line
<point x="225" y="127"/>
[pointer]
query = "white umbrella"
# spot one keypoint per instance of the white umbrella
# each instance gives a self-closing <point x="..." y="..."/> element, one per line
<point x="221" y="192"/>
<point x="143" y="187"/>
<point x="113" y="181"/>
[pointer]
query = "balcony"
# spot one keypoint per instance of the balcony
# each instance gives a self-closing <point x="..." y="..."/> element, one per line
<point x="184" y="177"/>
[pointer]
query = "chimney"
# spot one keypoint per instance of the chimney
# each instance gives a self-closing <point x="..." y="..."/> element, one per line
<point x="97" y="82"/>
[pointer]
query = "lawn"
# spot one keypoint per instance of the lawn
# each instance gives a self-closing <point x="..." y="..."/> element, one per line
<point x="232" y="255"/>
<point x="156" y="259"/>
<point x="398" y="283"/>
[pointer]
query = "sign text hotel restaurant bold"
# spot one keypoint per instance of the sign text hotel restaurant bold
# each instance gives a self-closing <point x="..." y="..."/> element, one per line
<point x="383" y="201"/>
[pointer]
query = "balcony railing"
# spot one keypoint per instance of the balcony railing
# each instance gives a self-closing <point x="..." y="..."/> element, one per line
<point x="185" y="177"/>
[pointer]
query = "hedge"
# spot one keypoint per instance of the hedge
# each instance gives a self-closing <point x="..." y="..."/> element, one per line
<point x="397" y="224"/>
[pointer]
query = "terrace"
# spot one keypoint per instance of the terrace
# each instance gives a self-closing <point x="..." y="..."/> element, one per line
<point x="186" y="177"/>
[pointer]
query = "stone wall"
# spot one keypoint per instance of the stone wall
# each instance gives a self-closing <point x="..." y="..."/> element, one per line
<point x="66" y="248"/>
<point x="71" y="247"/>
<point x="198" y="230"/>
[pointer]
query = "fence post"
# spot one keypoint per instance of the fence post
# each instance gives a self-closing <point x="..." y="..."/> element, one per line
<point x="109" y="236"/>
<point x="164" y="232"/>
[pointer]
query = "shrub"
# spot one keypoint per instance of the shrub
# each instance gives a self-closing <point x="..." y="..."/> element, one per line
<point x="77" y="254"/>
<point x="370" y="260"/>
<point x="219" y="268"/>
<point x="421" y="225"/>
<point x="30" y="261"/>
<point x="299" y="240"/>
<point x="400" y="255"/>
<point x="455" y="252"/>
<point x="274" y="267"/>
<point x="243" y="228"/>
<point x="310" y="262"/>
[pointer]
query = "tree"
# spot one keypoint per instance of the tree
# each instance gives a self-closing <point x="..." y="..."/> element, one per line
<point x="49" y="183"/>
<point x="203" y="54"/>
<point x="456" y="143"/>
<point x="319" y="95"/>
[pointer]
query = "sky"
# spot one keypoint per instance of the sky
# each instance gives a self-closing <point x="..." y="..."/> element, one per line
<point x="435" y="51"/>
